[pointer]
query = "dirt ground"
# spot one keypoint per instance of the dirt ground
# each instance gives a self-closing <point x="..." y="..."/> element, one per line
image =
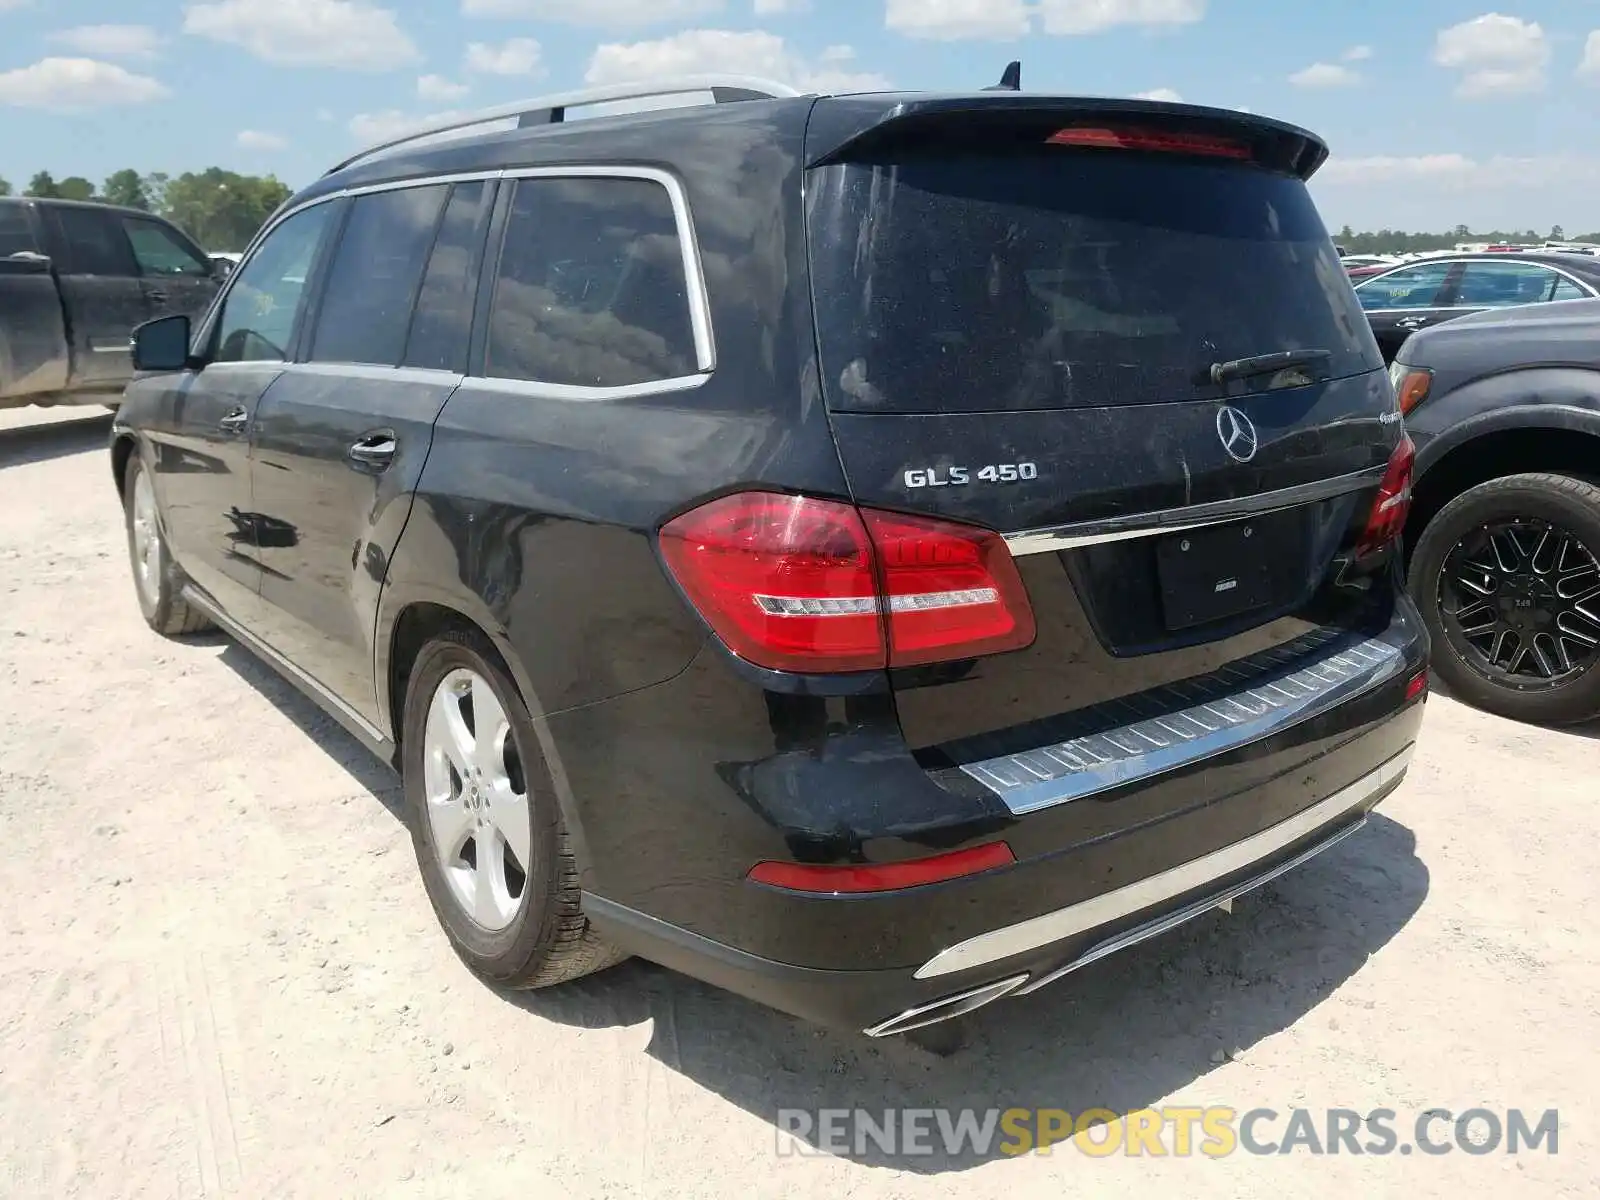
<point x="219" y="975"/>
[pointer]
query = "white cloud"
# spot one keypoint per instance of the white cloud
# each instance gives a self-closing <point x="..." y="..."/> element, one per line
<point x="1072" y="17"/>
<point x="1357" y="54"/>
<point x="110" y="41"/>
<point x="1496" y="55"/>
<point x="1460" y="171"/>
<point x="776" y="8"/>
<point x="516" y="56"/>
<point x="1325" y="75"/>
<point x="615" y="14"/>
<point x="1166" y="95"/>
<point x="1590" y="66"/>
<point x="959" y="20"/>
<point x="349" y="34"/>
<point x="255" y="139"/>
<point x="391" y="123"/>
<point x="751" y="52"/>
<point x="437" y="87"/>
<point x="9" y="5"/>
<point x="76" y="85"/>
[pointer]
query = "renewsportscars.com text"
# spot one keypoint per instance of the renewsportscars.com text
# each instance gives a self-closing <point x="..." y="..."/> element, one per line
<point x="1174" y="1131"/>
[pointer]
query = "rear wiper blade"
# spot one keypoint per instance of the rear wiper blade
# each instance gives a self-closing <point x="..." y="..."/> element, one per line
<point x="1265" y="364"/>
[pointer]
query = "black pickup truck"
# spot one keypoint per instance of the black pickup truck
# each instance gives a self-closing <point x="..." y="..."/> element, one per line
<point x="75" y="279"/>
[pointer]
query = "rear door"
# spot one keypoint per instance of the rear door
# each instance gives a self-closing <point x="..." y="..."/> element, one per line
<point x="1509" y="284"/>
<point x="1400" y="302"/>
<point x="1029" y="334"/>
<point x="101" y="290"/>
<point x="176" y="276"/>
<point x="34" y="356"/>
<point x="341" y="437"/>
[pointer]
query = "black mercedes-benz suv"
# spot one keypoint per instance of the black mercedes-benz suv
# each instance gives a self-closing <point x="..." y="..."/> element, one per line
<point x="874" y="553"/>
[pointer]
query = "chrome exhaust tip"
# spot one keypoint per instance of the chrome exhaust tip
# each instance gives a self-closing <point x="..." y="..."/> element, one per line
<point x="944" y="1008"/>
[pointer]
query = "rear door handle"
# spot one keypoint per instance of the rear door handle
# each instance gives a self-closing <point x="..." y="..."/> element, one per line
<point x="374" y="450"/>
<point x="235" y="422"/>
<point x="157" y="297"/>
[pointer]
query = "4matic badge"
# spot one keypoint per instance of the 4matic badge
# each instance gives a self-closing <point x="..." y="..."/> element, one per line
<point x="921" y="477"/>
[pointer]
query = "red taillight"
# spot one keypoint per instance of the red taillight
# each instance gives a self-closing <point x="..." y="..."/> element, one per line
<point x="1416" y="686"/>
<point x="882" y="877"/>
<point x="1393" y="501"/>
<point x="797" y="584"/>
<point x="1149" y="139"/>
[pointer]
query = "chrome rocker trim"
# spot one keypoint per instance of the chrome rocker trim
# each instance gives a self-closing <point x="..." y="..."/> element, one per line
<point x="1076" y="919"/>
<point x="1083" y="766"/>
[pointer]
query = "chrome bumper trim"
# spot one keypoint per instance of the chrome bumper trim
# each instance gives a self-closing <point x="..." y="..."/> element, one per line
<point x="1083" y="766"/>
<point x="1075" y="919"/>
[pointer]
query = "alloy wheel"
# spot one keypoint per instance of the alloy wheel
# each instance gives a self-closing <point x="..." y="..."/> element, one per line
<point x="477" y="799"/>
<point x="1520" y="599"/>
<point x="146" y="540"/>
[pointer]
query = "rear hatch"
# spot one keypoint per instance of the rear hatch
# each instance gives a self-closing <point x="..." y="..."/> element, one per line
<point x="1031" y="315"/>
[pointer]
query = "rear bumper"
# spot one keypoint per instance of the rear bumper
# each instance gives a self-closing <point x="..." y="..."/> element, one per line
<point x="1117" y="851"/>
<point x="1020" y="957"/>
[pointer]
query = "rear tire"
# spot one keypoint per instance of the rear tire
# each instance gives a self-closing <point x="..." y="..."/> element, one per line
<point x="1562" y="586"/>
<point x="495" y="858"/>
<point x="156" y="579"/>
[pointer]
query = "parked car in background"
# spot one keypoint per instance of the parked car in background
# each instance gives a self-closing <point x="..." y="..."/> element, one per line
<point x="1404" y="299"/>
<point x="75" y="279"/>
<point x="1357" y="262"/>
<point x="225" y="260"/>
<point x="1504" y="533"/>
<point x="877" y="600"/>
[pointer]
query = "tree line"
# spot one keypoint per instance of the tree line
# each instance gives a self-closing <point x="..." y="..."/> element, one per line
<point x="1395" y="241"/>
<point x="220" y="209"/>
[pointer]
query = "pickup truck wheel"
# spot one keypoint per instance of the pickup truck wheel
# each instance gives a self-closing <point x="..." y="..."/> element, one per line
<point x="495" y="857"/>
<point x="156" y="578"/>
<point x="1508" y="579"/>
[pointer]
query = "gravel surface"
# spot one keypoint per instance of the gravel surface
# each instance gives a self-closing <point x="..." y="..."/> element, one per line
<point x="219" y="975"/>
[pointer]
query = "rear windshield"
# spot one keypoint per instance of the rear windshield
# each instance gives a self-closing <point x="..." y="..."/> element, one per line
<point x="1068" y="280"/>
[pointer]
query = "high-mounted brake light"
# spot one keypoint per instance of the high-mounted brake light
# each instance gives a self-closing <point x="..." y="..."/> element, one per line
<point x="1393" y="501"/>
<point x="793" y="583"/>
<point x="1106" y="138"/>
<point x="882" y="877"/>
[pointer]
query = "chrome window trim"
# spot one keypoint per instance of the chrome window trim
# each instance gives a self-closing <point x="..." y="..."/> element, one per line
<point x="379" y="371"/>
<point x="698" y="295"/>
<point x="569" y="391"/>
<point x="1075" y="535"/>
<point x="1272" y="700"/>
<point x="1578" y="281"/>
<point x="1153" y="890"/>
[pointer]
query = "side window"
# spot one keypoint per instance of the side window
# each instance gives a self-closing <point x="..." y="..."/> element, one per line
<point x="442" y="326"/>
<point x="159" y="252"/>
<point x="1502" y="285"/>
<point x="366" y="307"/>
<point x="1410" y="287"/>
<point x="94" y="241"/>
<point x="16" y="235"/>
<point x="1567" y="290"/>
<point x="591" y="288"/>
<point x="258" y="314"/>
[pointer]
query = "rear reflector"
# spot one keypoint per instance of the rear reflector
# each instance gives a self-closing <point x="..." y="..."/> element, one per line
<point x="882" y="877"/>
<point x="1393" y="501"/>
<point x="797" y="584"/>
<point x="1417" y="685"/>
<point x="1104" y="138"/>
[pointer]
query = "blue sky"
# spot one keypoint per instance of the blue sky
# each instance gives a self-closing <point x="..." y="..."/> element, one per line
<point x="1438" y="111"/>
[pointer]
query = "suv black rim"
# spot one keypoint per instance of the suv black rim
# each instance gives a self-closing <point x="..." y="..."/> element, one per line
<point x="1520" y="600"/>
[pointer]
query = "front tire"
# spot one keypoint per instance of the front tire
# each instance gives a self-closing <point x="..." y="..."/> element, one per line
<point x="1507" y="576"/>
<point x="495" y="857"/>
<point x="156" y="579"/>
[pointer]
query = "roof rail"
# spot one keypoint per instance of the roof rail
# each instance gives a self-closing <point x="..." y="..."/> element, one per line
<point x="551" y="110"/>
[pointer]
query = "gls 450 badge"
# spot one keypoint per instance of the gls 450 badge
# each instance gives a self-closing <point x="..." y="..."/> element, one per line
<point x="921" y="477"/>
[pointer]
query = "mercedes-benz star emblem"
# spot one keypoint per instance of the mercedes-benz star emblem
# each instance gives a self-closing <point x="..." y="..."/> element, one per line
<point x="1238" y="434"/>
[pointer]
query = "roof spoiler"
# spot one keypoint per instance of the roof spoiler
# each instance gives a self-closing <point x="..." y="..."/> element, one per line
<point x="869" y="128"/>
